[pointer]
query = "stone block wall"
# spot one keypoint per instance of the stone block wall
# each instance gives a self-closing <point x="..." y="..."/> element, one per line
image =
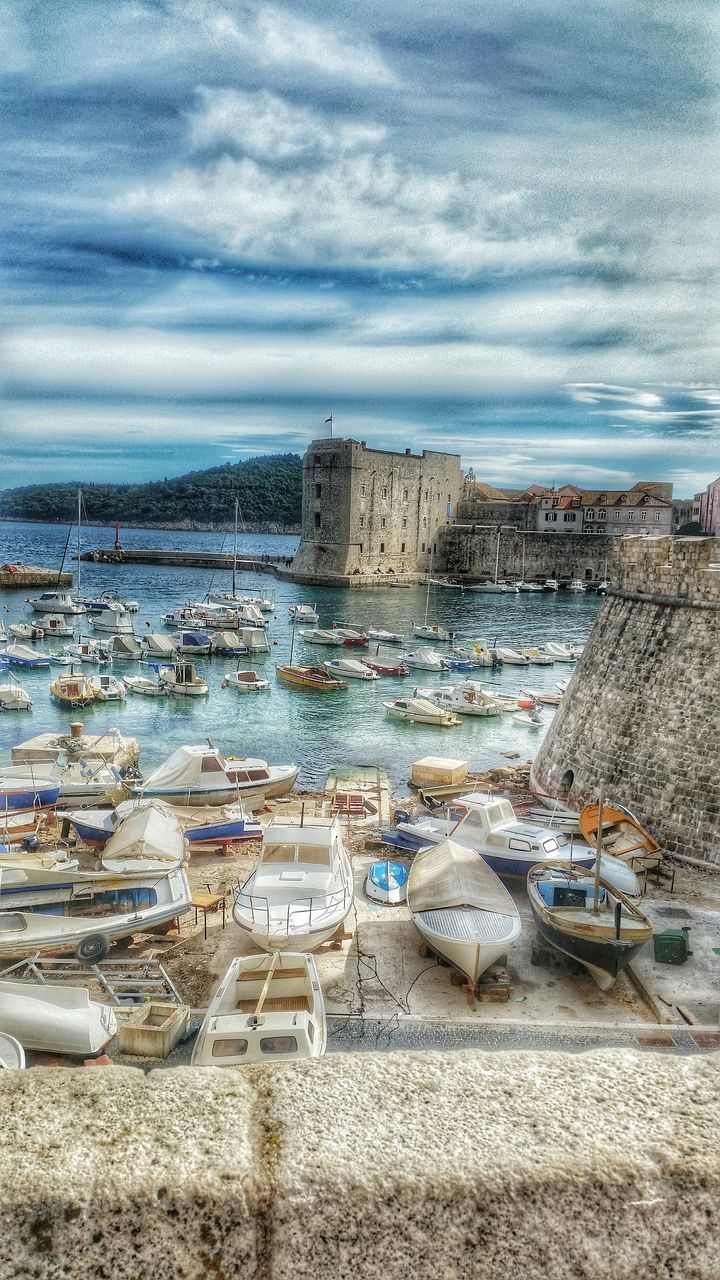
<point x="642" y="713"/>
<point x="468" y="551"/>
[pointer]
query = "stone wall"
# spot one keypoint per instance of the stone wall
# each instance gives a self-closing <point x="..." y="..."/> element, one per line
<point x="463" y="1166"/>
<point x="468" y="551"/>
<point x="475" y="510"/>
<point x="642" y="714"/>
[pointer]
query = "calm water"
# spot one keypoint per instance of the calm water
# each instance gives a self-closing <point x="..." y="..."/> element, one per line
<point x="318" y="730"/>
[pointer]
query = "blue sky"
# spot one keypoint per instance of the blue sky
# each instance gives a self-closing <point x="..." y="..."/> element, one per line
<point x="492" y="229"/>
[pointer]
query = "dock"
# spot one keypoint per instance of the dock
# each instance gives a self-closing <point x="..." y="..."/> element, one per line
<point x="183" y="559"/>
<point x="22" y="576"/>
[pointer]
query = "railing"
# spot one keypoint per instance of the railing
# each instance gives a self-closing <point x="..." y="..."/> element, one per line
<point x="259" y="909"/>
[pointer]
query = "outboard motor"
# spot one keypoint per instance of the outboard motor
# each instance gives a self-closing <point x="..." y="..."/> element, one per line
<point x="401" y="815"/>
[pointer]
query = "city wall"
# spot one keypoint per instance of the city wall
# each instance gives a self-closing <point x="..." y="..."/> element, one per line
<point x="469" y="551"/>
<point x="425" y="1166"/>
<point x="642" y="713"/>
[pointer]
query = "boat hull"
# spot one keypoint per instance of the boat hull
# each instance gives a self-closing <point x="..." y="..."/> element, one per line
<point x="605" y="961"/>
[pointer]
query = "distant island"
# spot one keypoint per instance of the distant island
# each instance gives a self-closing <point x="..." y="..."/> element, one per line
<point x="268" y="490"/>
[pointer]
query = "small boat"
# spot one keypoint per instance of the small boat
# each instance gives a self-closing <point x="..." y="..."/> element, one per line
<point x="12" y="1054"/>
<point x="461" y="909"/>
<point x="424" y="632"/>
<point x="386" y="882"/>
<point x="201" y="775"/>
<point x="107" y="688"/>
<point x="551" y="584"/>
<point x="86" y="650"/>
<point x="72" y="690"/>
<point x="528" y="588"/>
<point x="13" y="697"/>
<point x="20" y="794"/>
<point x="512" y="658"/>
<point x="350" y="669"/>
<point x="18" y="826"/>
<point x="529" y="719"/>
<point x="74" y="778"/>
<point x="107" y="601"/>
<point x="55" y="602"/>
<point x="303" y="613"/>
<point x="479" y="653"/>
<point x="545" y="697"/>
<point x="385" y="637"/>
<point x="603" y="934"/>
<point x="322" y="635"/>
<point x="425" y="660"/>
<point x="267" y="1008"/>
<point x="144" y="685"/>
<point x="351" y="636"/>
<point x="191" y="643"/>
<point x="443" y="582"/>
<point x="537" y="658"/>
<point x="455" y="662"/>
<point x="156" y="645"/>
<point x="113" y="620"/>
<point x="246" y="682"/>
<point x="420" y="711"/>
<point x="180" y="679"/>
<point x="603" y="587"/>
<point x="576" y="586"/>
<point x="397" y="583"/>
<point x="387" y="665"/>
<point x="464" y="700"/>
<point x="124" y="649"/>
<point x="53" y="1018"/>
<point x="622" y="836"/>
<point x="561" y="652"/>
<point x="486" y="588"/>
<point x="302" y="889"/>
<point x="208" y="826"/>
<point x="57" y="625"/>
<point x="228" y="642"/>
<point x="26" y="631"/>
<point x="308" y="678"/>
<point x="149" y="839"/>
<point x="19" y="655"/>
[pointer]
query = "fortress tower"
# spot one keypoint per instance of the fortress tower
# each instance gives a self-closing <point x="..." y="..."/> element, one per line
<point x="642" y="714"/>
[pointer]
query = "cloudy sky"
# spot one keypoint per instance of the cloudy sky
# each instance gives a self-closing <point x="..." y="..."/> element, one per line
<point x="486" y="228"/>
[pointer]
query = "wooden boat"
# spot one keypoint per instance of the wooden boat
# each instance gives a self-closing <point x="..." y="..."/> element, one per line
<point x="302" y="889"/>
<point x="180" y="679"/>
<point x="72" y="690"/>
<point x="622" y="835"/>
<point x="387" y="664"/>
<point x="562" y="900"/>
<point x="308" y="678"/>
<point x="55" y="1019"/>
<point x="386" y="882"/>
<point x="246" y="682"/>
<point x="545" y="697"/>
<point x="201" y="775"/>
<point x="267" y="1008"/>
<point x="12" y="1054"/>
<point x="460" y="908"/>
<point x="26" y="631"/>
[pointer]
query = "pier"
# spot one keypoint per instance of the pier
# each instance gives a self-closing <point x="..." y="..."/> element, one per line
<point x="22" y="576"/>
<point x="184" y="559"/>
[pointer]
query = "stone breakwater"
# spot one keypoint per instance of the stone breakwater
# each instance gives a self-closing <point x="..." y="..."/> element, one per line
<point x="22" y="576"/>
<point x="642" y="713"/>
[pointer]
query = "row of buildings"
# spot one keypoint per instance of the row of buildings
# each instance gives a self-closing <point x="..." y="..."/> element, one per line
<point x="646" y="507"/>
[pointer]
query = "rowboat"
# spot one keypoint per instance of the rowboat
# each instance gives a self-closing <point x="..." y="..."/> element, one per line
<point x="148" y="839"/>
<point x="246" y="682"/>
<point x="145" y="686"/>
<point x="387" y="664"/>
<point x="622" y="835"/>
<point x="602" y="935"/>
<point x="460" y="908"/>
<point x="424" y="632"/>
<point x="55" y="1018"/>
<point x="309" y="678"/>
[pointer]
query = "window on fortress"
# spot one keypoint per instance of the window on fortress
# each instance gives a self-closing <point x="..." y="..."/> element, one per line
<point x="317" y="519"/>
<point x="382" y="523"/>
<point x="382" y="547"/>
<point x="424" y="522"/>
<point x="616" y="515"/>
<point x="404" y="522"/>
<point x="590" y="515"/>
<point x="384" y="493"/>
<point x="362" y="522"/>
<point x="602" y="515"/>
<point x="405" y="495"/>
<point x="658" y="515"/>
<point x="422" y="547"/>
<point x="631" y="515"/>
<point x="362" y="490"/>
<point x="402" y="548"/>
<point x="318" y="490"/>
<point x="569" y="517"/>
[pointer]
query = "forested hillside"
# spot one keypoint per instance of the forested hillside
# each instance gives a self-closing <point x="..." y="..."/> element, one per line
<point x="269" y="491"/>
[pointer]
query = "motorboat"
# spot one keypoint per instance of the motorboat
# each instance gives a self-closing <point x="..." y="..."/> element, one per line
<point x="425" y="660"/>
<point x="485" y="588"/>
<point x="421" y="711"/>
<point x="180" y="679"/>
<point x="113" y="620"/>
<point x="302" y="890"/>
<point x="124" y="649"/>
<point x="22" y="793"/>
<point x="544" y="697"/>
<point x="19" y="655"/>
<point x="351" y="636"/>
<point x="512" y="657"/>
<point x="150" y="838"/>
<point x="308" y="677"/>
<point x="55" y="602"/>
<point x="479" y="653"/>
<point x="463" y="699"/>
<point x="12" y="1054"/>
<point x="322" y="635"/>
<point x="456" y="662"/>
<point x="246" y="682"/>
<point x="397" y="583"/>
<point x="60" y="660"/>
<point x="585" y="917"/>
<point x="528" y="588"/>
<point x="263" y="603"/>
<point x="350" y="669"/>
<point x="54" y="1018"/>
<point x="107" y="688"/>
<point x="537" y="657"/>
<point x="13" y="697"/>
<point x="384" y="637"/>
<point x="83" y="912"/>
<point x="100" y="604"/>
<point x="87" y="650"/>
<point x="73" y="778"/>
<point x="494" y="698"/>
<point x="576" y="586"/>
<point x="561" y="652"/>
<point x="228" y="642"/>
<point x="303" y="613"/>
<point x="191" y="644"/>
<point x="551" y="584"/>
<point x="443" y="582"/>
<point x="146" y="686"/>
<point x="529" y="719"/>
<point x="255" y="640"/>
<point x="156" y="645"/>
<point x="387" y="664"/>
<point x="201" y="775"/>
<point x="622" y="836"/>
<point x="490" y="826"/>
<point x="425" y="632"/>
<point x="26" y="631"/>
<point x="204" y="826"/>
<point x="603" y="587"/>
<point x="386" y="882"/>
<point x="460" y="908"/>
<point x="267" y="1008"/>
<point x="72" y="690"/>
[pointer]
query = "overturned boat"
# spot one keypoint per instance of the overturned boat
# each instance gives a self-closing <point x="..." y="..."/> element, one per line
<point x="55" y="1018"/>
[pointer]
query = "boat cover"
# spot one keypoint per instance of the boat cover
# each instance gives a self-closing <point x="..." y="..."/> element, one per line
<point x="202" y="815"/>
<point x="183" y="771"/>
<point x="449" y="875"/>
<point x="152" y="834"/>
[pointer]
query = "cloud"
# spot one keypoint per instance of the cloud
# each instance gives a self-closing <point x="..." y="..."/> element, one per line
<point x="271" y="129"/>
<point x="596" y="392"/>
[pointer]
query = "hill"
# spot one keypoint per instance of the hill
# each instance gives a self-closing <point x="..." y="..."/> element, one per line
<point x="268" y="489"/>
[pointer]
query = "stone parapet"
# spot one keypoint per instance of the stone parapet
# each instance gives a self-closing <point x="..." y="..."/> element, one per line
<point x="675" y="570"/>
<point x="411" y="1166"/>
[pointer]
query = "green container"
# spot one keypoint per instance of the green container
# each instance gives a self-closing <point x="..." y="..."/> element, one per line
<point x="672" y="946"/>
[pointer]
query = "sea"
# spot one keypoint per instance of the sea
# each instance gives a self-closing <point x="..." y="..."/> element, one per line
<point x="317" y="730"/>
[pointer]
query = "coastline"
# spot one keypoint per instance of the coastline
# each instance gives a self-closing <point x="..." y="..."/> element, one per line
<point x="178" y="526"/>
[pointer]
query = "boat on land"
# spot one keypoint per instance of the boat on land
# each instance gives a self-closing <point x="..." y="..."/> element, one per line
<point x="460" y="908"/>
<point x="267" y="1008"/>
<point x="149" y="839"/>
<point x="72" y="690"/>
<point x="384" y="637"/>
<point x="585" y="917"/>
<point x="19" y="655"/>
<point x="322" y="635"/>
<point x="180" y="679"/>
<point x="421" y="711"/>
<point x="350" y="669"/>
<point x="204" y="826"/>
<point x="23" y="793"/>
<point x="246" y="682"/>
<point x="386" y="882"/>
<point x="308" y="677"/>
<point x="73" y="778"/>
<point x="622" y="835"/>
<point x="463" y="699"/>
<point x="53" y="1018"/>
<point x="156" y="645"/>
<point x="302" y="889"/>
<point x="55" y="602"/>
<point x="201" y="775"/>
<point x="303" y="613"/>
<point x="145" y="685"/>
<point x="425" y="660"/>
<point x="18" y="826"/>
<point x="107" y="688"/>
<point x="192" y="644"/>
<point x="12" y="1054"/>
<point x="387" y="664"/>
<point x="13" y="697"/>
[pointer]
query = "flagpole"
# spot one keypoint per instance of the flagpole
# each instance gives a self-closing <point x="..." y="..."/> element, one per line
<point x="330" y="420"/>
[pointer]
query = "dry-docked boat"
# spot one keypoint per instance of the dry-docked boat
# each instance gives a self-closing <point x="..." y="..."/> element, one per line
<point x="20" y="794"/>
<point x="266" y="1008"/>
<point x="246" y="682"/>
<point x="204" y="826"/>
<point x="12" y="1054"/>
<point x="107" y="688"/>
<point x="20" y="655"/>
<point x="303" y="677"/>
<point x="603" y="933"/>
<point x="73" y="778"/>
<point x="13" y="697"/>
<point x="72" y="690"/>
<point x="55" y="602"/>
<point x="202" y="775"/>
<point x="150" y="838"/>
<point x="622" y="835"/>
<point x="55" y="1019"/>
<point x="303" y="613"/>
<point x="386" y="882"/>
<point x="18" y="826"/>
<point x="460" y="907"/>
<point x="420" y="711"/>
<point x="156" y="645"/>
<point x="350" y="669"/>
<point x="302" y="889"/>
<point x="180" y="679"/>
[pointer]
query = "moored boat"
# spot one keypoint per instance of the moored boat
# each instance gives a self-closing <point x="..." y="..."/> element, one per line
<point x="107" y="688"/>
<point x="72" y="690"/>
<point x="423" y="631"/>
<point x="303" y="613"/>
<point x="350" y="669"/>
<point x="180" y="679"/>
<point x="246" y="682"/>
<point x="55" y="602"/>
<point x="425" y="660"/>
<point x="421" y="711"/>
<point x="20" y="655"/>
<point x="13" y="697"/>
<point x="384" y="637"/>
<point x="192" y="644"/>
<point x="308" y="677"/>
<point x="145" y="685"/>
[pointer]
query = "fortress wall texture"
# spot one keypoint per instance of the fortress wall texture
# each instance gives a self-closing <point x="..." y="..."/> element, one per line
<point x="468" y="551"/>
<point x="642" y="712"/>
<point x="463" y="1166"/>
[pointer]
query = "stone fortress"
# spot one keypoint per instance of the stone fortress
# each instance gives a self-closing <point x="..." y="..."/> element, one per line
<point x="642" y="714"/>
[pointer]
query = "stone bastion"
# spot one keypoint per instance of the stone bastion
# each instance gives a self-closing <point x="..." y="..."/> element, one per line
<point x="642" y="714"/>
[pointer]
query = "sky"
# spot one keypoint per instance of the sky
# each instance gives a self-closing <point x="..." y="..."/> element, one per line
<point x="491" y="229"/>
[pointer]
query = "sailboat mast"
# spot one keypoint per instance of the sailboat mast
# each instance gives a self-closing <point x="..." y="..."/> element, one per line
<point x="497" y="557"/>
<point x="427" y="593"/>
<point x="79" y="501"/>
<point x="234" y="569"/>
<point x="598" y="850"/>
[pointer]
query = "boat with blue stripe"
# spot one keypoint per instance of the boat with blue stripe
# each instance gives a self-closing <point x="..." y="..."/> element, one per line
<point x="387" y="882"/>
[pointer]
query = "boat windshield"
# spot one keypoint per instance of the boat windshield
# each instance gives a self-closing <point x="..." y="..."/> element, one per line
<point x="309" y="854"/>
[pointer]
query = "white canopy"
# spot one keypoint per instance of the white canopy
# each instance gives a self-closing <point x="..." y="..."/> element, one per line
<point x="150" y="839"/>
<point x="450" y="875"/>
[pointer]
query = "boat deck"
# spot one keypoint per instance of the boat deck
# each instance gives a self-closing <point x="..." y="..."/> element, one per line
<point x="468" y="924"/>
<point x="276" y="1004"/>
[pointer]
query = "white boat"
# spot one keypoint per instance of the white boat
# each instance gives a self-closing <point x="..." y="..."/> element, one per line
<point x="460" y="908"/>
<point x="53" y="1018"/>
<point x="386" y="882"/>
<point x="91" y="651"/>
<point x="385" y="637"/>
<point x="55" y="602"/>
<point x="563" y="685"/>
<point x="303" y="613"/>
<point x="463" y="699"/>
<point x="26" y="631"/>
<point x="83" y="912"/>
<point x="424" y="631"/>
<point x="255" y="640"/>
<point x="479" y="652"/>
<point x="12" y="696"/>
<point x="195" y="775"/>
<point x="75" y="778"/>
<point x="576" y="585"/>
<point x="204" y="826"/>
<point x="529" y="719"/>
<point x="443" y="582"/>
<point x="144" y="685"/>
<point x="551" y="584"/>
<point x="420" y="711"/>
<point x="12" y="1054"/>
<point x="538" y="658"/>
<point x="302" y="889"/>
<point x="191" y="644"/>
<point x="246" y="682"/>
<point x="113" y="620"/>
<point x="228" y="642"/>
<point x="181" y="679"/>
<point x="268" y="1008"/>
<point x="425" y="660"/>
<point x="350" y="668"/>
<point x="322" y="635"/>
<point x="528" y="588"/>
<point x="561" y="652"/>
<point x="156" y="645"/>
<point x="603" y="587"/>
<point x="149" y="839"/>
<point x="512" y="658"/>
<point x="21" y="655"/>
<point x="263" y="603"/>
<point x="107" y="688"/>
<point x="486" y="588"/>
<point x="124" y="649"/>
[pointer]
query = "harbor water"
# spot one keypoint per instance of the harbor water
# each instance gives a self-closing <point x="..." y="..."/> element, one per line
<point x="317" y="730"/>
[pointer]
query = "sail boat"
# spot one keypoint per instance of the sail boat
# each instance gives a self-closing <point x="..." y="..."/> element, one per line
<point x="61" y="602"/>
<point x="496" y="588"/>
<point x="258" y="603"/>
<point x="426" y="631"/>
